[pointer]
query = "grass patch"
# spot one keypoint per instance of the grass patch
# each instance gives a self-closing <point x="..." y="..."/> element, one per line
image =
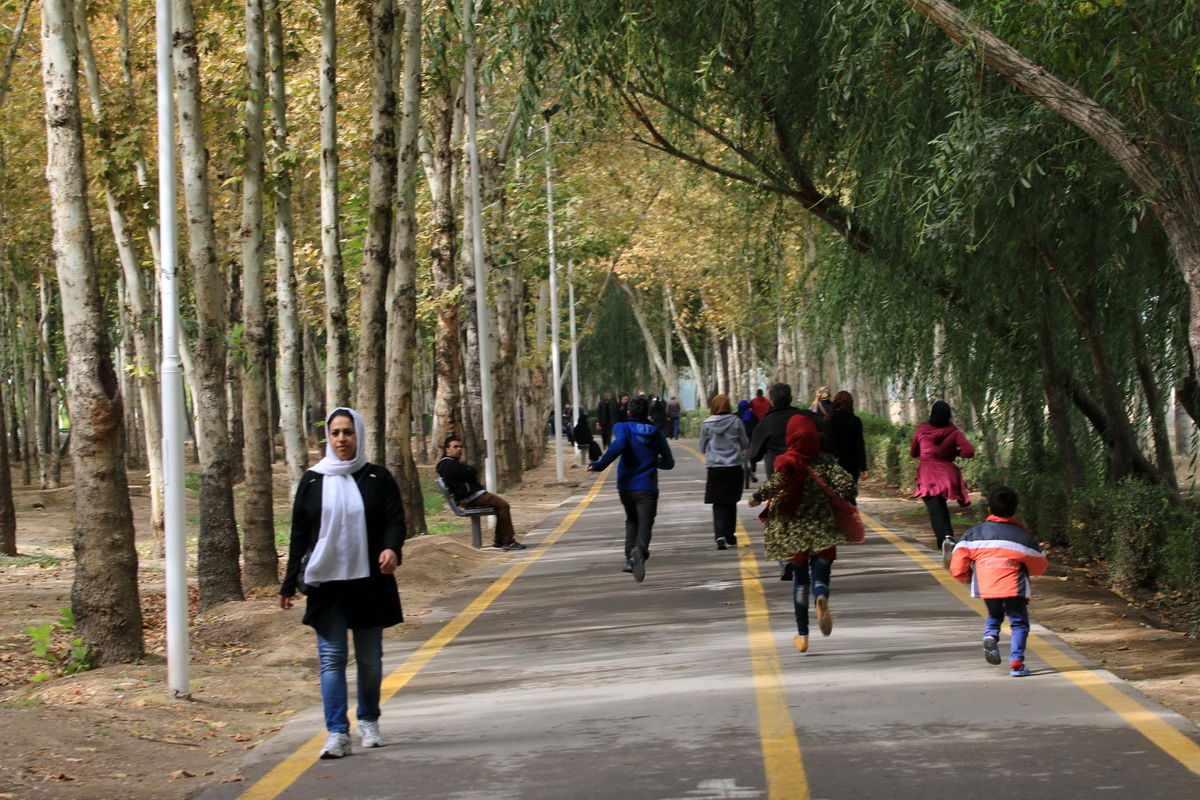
<point x="432" y="498"/>
<point x="26" y="561"/>
<point x="435" y="528"/>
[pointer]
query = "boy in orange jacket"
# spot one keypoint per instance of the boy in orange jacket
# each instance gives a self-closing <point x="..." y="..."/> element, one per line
<point x="997" y="558"/>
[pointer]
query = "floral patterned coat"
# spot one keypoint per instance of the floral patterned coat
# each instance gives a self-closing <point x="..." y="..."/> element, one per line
<point x="811" y="528"/>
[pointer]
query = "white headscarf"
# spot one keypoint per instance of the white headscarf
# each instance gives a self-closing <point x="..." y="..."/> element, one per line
<point x="341" y="550"/>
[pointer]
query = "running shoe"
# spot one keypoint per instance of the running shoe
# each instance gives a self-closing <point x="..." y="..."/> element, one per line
<point x="991" y="650"/>
<point x="1019" y="670"/>
<point x="368" y="731"/>
<point x="638" y="564"/>
<point x="722" y="544"/>
<point x="336" y="746"/>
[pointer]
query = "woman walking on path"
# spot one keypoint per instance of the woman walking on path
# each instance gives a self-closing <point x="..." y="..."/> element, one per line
<point x="723" y="442"/>
<point x="808" y="514"/>
<point x="846" y="430"/>
<point x="937" y="443"/>
<point x="347" y="533"/>
<point x="745" y="412"/>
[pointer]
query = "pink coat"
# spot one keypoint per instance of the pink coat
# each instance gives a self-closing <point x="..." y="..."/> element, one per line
<point x="936" y="474"/>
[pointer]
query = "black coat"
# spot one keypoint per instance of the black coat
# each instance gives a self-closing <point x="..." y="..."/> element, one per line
<point x="461" y="479"/>
<point x="608" y="413"/>
<point x="770" y="436"/>
<point x="848" y="445"/>
<point x="367" y="602"/>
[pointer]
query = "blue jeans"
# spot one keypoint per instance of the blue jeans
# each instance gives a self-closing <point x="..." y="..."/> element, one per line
<point x="1017" y="609"/>
<point x="333" y="652"/>
<point x="814" y="574"/>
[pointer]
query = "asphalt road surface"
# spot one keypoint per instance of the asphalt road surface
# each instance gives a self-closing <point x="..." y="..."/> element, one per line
<point x="557" y="677"/>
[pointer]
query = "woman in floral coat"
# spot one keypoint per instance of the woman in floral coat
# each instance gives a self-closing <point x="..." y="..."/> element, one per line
<point x="805" y="496"/>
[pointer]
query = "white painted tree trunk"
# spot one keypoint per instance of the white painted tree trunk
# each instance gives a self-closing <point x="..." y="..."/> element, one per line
<point x="288" y="388"/>
<point x="104" y="594"/>
<point x="337" y="335"/>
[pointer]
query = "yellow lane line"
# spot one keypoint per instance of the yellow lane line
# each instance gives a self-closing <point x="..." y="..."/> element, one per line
<point x="783" y="763"/>
<point x="291" y="768"/>
<point x="1147" y="722"/>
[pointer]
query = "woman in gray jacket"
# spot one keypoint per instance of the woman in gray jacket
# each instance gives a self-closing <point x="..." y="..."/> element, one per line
<point x="723" y="442"/>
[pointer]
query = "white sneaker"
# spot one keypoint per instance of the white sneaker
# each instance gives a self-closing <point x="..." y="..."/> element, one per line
<point x="336" y="746"/>
<point x="369" y="733"/>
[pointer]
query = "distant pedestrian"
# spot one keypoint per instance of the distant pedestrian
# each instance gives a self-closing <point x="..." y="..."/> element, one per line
<point x="760" y="405"/>
<point x="347" y="534"/>
<point x="997" y="558"/>
<point x="723" y="442"/>
<point x="749" y="422"/>
<point x="643" y="451"/>
<point x="674" y="412"/>
<point x="585" y="443"/>
<point x="608" y="414"/>
<point x="847" y="443"/>
<point x="808" y="514"/>
<point x="658" y="415"/>
<point x="770" y="437"/>
<point x="822" y="406"/>
<point x="937" y="443"/>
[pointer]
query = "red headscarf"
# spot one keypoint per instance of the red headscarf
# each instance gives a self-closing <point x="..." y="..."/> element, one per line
<point x="804" y="444"/>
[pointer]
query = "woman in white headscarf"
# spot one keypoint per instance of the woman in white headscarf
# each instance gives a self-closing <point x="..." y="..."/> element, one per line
<point x="347" y="534"/>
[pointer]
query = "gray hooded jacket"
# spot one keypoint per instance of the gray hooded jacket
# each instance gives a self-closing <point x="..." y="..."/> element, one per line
<point x="723" y="441"/>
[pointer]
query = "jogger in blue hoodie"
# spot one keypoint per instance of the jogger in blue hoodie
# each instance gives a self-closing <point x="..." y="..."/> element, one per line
<point x="644" y="451"/>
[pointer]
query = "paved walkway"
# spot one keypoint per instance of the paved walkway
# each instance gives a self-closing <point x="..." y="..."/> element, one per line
<point x="559" y="677"/>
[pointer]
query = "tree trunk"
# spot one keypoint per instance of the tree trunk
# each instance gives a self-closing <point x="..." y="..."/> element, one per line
<point x="669" y="380"/>
<point x="1155" y="404"/>
<point x="218" y="547"/>
<point x="369" y="377"/>
<point x="1058" y="407"/>
<point x="261" y="559"/>
<point x="8" y="514"/>
<point x="697" y="372"/>
<point x="447" y="351"/>
<point x="139" y="307"/>
<point x="104" y="594"/>
<point x="48" y="434"/>
<point x="402" y="329"/>
<point x="337" y="334"/>
<point x="288" y="386"/>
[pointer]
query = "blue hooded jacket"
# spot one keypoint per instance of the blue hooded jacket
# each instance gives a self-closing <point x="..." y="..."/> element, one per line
<point x="643" y="450"/>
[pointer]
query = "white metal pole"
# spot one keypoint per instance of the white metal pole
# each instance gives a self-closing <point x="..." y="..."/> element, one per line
<point x="481" y="312"/>
<point x="574" y="343"/>
<point x="171" y="379"/>
<point x="554" y="359"/>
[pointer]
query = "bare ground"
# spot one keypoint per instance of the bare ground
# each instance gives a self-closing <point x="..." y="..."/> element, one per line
<point x="112" y="732"/>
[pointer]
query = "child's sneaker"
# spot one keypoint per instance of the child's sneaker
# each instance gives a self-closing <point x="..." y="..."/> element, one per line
<point x="991" y="650"/>
<point x="801" y="642"/>
<point x="1019" y="670"/>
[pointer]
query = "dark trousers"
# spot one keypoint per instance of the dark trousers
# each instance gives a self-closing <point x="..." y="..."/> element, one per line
<point x="640" y="507"/>
<point x="606" y="435"/>
<point x="504" y="526"/>
<point x="939" y="518"/>
<point x="725" y="521"/>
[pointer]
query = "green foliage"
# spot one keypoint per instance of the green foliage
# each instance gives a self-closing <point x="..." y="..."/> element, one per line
<point x="55" y="643"/>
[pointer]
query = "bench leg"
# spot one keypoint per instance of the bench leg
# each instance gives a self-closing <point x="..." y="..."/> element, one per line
<point x="476" y="533"/>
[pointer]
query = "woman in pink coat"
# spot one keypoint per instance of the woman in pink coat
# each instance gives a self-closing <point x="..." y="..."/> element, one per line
<point x="937" y="443"/>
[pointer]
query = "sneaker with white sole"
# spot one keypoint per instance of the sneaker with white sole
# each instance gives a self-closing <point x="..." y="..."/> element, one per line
<point x="336" y="746"/>
<point x="368" y="731"/>
<point x="991" y="649"/>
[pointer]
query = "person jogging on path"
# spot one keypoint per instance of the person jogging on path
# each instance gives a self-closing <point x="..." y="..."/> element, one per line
<point x="643" y="450"/>
<point x="997" y="558"/>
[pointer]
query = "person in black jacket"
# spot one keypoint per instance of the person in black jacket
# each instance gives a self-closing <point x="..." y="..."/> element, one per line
<point x="846" y="436"/>
<point x="770" y="436"/>
<point x="347" y="534"/>
<point x="608" y="413"/>
<point x="463" y="482"/>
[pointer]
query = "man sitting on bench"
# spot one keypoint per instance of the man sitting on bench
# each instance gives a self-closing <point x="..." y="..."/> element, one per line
<point x="463" y="482"/>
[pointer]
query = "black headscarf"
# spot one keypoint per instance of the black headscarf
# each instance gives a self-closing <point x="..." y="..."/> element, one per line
<point x="939" y="414"/>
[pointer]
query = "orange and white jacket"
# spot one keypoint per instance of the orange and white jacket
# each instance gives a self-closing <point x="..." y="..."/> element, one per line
<point x="997" y="558"/>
